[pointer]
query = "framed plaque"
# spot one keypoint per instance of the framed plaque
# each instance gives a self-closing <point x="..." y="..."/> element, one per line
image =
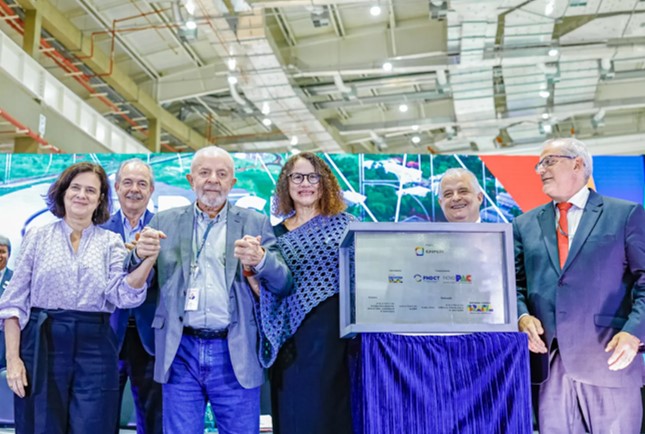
<point x="427" y="278"/>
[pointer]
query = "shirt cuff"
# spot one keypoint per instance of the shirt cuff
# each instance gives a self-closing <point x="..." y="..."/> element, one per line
<point x="258" y="268"/>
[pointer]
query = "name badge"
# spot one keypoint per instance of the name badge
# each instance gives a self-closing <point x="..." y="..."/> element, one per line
<point x="192" y="299"/>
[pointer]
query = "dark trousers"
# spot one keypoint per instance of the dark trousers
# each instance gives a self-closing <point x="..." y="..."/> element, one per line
<point x="71" y="364"/>
<point x="136" y="363"/>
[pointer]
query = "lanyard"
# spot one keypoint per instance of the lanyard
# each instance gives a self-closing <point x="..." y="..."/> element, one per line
<point x="201" y="247"/>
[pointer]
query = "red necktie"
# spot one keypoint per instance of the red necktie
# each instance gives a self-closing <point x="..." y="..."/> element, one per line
<point x="563" y="232"/>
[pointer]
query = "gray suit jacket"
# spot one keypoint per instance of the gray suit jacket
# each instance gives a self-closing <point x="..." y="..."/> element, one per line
<point x="599" y="291"/>
<point x="172" y="274"/>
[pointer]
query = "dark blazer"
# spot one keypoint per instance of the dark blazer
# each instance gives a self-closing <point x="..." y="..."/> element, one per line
<point x="599" y="292"/>
<point x="5" y="280"/>
<point x="3" y="284"/>
<point x="172" y="274"/>
<point x="144" y="314"/>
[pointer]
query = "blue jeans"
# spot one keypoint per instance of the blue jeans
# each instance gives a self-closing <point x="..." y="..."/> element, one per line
<point x="202" y="372"/>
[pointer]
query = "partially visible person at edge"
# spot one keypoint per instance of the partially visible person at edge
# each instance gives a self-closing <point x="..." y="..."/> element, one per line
<point x="5" y="277"/>
<point x="460" y="196"/>
<point x="310" y="390"/>
<point x="61" y="352"/>
<point x="206" y="333"/>
<point x="134" y="185"/>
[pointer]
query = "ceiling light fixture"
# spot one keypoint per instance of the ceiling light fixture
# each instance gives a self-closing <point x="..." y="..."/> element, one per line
<point x="403" y="108"/>
<point x="416" y="140"/>
<point x="231" y="63"/>
<point x="545" y="93"/>
<point x="294" y="141"/>
<point x="545" y="116"/>
<point x="265" y="108"/>
<point x="387" y="67"/>
<point x="553" y="52"/>
<point x="266" y="122"/>
<point x="232" y="79"/>
<point x="375" y="11"/>
<point x="191" y="24"/>
<point x="190" y="7"/>
<point x="415" y="128"/>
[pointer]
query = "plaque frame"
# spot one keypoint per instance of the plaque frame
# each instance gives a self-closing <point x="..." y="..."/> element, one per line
<point x="349" y="327"/>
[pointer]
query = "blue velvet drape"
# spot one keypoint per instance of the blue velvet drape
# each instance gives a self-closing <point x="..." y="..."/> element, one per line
<point x="474" y="383"/>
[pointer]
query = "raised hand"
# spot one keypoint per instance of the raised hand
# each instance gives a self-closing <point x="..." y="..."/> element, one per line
<point x="249" y="250"/>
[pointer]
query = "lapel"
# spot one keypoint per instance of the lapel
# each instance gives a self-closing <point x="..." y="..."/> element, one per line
<point x="590" y="215"/>
<point x="147" y="216"/>
<point x="186" y="223"/>
<point x="546" y="218"/>
<point x="116" y="224"/>
<point x="234" y="230"/>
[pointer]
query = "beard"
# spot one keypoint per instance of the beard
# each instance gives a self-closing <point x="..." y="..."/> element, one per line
<point x="209" y="200"/>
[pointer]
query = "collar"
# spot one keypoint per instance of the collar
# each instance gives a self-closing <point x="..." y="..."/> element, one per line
<point x="68" y="229"/>
<point x="201" y="216"/>
<point x="126" y="223"/>
<point x="579" y="200"/>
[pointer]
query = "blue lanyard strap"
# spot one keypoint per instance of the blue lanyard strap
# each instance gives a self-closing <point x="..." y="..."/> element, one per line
<point x="201" y="247"/>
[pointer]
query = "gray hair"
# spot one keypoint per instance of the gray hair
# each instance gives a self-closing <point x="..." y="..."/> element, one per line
<point x="573" y="148"/>
<point x="212" y="151"/>
<point x="138" y="161"/>
<point x="458" y="172"/>
<point x="4" y="241"/>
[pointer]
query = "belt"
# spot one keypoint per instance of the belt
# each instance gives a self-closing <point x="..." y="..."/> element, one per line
<point x="42" y="318"/>
<point x="206" y="333"/>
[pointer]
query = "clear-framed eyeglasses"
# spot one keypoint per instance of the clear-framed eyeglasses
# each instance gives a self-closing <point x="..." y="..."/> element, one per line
<point x="297" y="178"/>
<point x="551" y="160"/>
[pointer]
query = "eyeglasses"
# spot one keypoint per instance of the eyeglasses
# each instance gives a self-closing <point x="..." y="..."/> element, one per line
<point x="297" y="178"/>
<point x="551" y="160"/>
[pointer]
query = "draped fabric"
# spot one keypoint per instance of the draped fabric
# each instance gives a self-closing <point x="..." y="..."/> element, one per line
<point x="475" y="383"/>
<point x="311" y="252"/>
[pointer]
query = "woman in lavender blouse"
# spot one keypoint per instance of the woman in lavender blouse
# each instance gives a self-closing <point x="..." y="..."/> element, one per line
<point x="300" y="332"/>
<point x="61" y="351"/>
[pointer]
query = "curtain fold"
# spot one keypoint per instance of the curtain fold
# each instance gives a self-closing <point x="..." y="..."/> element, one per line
<point x="473" y="383"/>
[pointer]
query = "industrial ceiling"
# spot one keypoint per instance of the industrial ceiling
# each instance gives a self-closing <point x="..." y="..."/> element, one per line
<point x="390" y="76"/>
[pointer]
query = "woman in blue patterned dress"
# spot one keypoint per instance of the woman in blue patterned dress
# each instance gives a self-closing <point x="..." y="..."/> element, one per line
<point x="300" y="333"/>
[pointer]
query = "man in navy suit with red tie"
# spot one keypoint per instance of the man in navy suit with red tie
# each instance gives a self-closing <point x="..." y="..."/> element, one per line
<point x="134" y="186"/>
<point x="580" y="265"/>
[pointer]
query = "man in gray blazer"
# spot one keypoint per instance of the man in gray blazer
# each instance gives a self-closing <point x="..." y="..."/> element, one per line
<point x="206" y="335"/>
<point x="580" y="265"/>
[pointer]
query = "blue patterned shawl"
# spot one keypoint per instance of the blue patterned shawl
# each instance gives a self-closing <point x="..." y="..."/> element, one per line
<point x="311" y="252"/>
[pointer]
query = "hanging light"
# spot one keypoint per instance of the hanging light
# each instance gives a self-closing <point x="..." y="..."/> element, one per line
<point x="375" y="11"/>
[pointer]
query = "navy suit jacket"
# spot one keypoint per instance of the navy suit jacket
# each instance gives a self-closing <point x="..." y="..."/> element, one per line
<point x="599" y="291"/>
<point x="3" y="284"/>
<point x="144" y="314"/>
<point x="5" y="280"/>
<point x="172" y="275"/>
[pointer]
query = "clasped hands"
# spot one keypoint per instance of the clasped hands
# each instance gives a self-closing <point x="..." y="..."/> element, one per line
<point x="249" y="251"/>
<point x="624" y="345"/>
<point x="148" y="243"/>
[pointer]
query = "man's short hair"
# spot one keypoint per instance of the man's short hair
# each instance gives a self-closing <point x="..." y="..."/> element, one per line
<point x="574" y="148"/>
<point x="459" y="171"/>
<point x="212" y="151"/>
<point x="117" y="178"/>
<point x="4" y="241"/>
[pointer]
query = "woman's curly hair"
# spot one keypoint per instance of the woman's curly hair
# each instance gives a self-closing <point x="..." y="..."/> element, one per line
<point x="331" y="196"/>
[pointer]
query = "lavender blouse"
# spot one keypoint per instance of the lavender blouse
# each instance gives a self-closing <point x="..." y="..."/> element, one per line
<point x="50" y="275"/>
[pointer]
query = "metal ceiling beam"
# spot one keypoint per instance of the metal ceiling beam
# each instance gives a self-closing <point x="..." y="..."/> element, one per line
<point x="60" y="27"/>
